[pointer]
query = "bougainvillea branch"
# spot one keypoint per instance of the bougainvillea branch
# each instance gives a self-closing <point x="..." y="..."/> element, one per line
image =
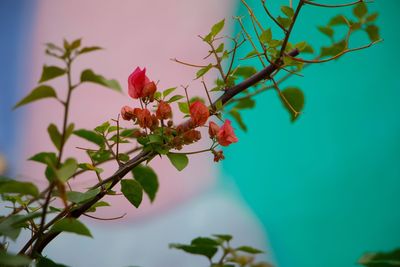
<point x="152" y="131"/>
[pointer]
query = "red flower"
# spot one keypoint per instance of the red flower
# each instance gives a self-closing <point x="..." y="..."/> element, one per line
<point x="213" y="129"/>
<point x="136" y="82"/>
<point x="127" y="113"/>
<point x="199" y="113"/>
<point x="225" y="135"/>
<point x="164" y="111"/>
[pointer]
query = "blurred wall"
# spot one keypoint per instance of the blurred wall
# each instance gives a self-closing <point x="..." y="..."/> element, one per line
<point x="327" y="188"/>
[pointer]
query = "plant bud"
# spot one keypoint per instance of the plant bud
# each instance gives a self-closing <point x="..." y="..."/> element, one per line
<point x="127" y="113"/>
<point x="164" y="110"/>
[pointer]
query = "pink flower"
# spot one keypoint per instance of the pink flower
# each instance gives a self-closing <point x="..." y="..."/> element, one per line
<point x="127" y="113"/>
<point x="213" y="129"/>
<point x="199" y="113"/>
<point x="225" y="135"/>
<point x="136" y="82"/>
<point x="164" y="110"/>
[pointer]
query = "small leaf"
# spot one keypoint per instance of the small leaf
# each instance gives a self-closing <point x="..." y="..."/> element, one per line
<point x="40" y="92"/>
<point x="148" y="180"/>
<point x="55" y="135"/>
<point x="248" y="249"/>
<point x="245" y="103"/>
<point x="373" y="32"/>
<point x="208" y="251"/>
<point x="133" y="191"/>
<point x="285" y="22"/>
<point x="215" y="29"/>
<point x="168" y="91"/>
<point x="288" y="11"/>
<point x="266" y="36"/>
<point x="295" y="97"/>
<point x="70" y="225"/>
<point x="89" y="49"/>
<point x="98" y="205"/>
<point x="338" y="20"/>
<point x="360" y="10"/>
<point x="245" y="71"/>
<point x="372" y="17"/>
<point x="203" y="70"/>
<point x="180" y="161"/>
<point x="89" y="76"/>
<point x="224" y="237"/>
<point x="381" y="259"/>
<point x="204" y="241"/>
<point x="75" y="44"/>
<point x="238" y="118"/>
<point x="326" y="30"/>
<point x="175" y="98"/>
<point x="51" y="72"/>
<point x="90" y="136"/>
<point x="11" y="260"/>
<point x="79" y="197"/>
<point x="102" y="128"/>
<point x="183" y="107"/>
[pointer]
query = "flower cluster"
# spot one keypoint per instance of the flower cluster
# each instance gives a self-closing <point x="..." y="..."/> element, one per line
<point x="159" y="122"/>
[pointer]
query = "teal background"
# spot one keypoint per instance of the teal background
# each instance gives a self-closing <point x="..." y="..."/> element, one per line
<point x="327" y="187"/>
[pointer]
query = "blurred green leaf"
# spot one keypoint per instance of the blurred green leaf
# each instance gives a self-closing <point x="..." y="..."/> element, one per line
<point x="248" y="249"/>
<point x="67" y="169"/>
<point x="296" y="99"/>
<point x="288" y="11"/>
<point x="360" y="10"/>
<point x="43" y="157"/>
<point x="328" y="31"/>
<point x="373" y="32"/>
<point x="16" y="187"/>
<point x="55" y="135"/>
<point x="89" y="76"/>
<point x="381" y="259"/>
<point x="180" y="161"/>
<point x="46" y="262"/>
<point x="89" y="49"/>
<point x="40" y="92"/>
<point x="79" y="197"/>
<point x="51" y="72"/>
<point x="11" y="260"/>
<point x="238" y="118"/>
<point x="203" y="71"/>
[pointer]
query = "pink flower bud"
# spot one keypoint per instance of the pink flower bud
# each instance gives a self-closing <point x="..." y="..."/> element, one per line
<point x="164" y="111"/>
<point x="127" y="113"/>
<point x="199" y="113"/>
<point x="213" y="129"/>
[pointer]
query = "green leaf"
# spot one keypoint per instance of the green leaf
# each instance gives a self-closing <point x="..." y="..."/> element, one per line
<point x="75" y="44"/>
<point x="168" y="91"/>
<point x="67" y="170"/>
<point x="266" y="36"/>
<point x="295" y="97"/>
<point x="326" y="30"/>
<point x="203" y="70"/>
<point x="133" y="191"/>
<point x="70" y="225"/>
<point x="40" y="92"/>
<point x="13" y="260"/>
<point x="98" y="205"/>
<point x="288" y="11"/>
<point x="183" y="107"/>
<point x="89" y="76"/>
<point x="360" y="10"/>
<point x="90" y="136"/>
<point x="17" y="187"/>
<point x="46" y="262"/>
<point x="224" y="237"/>
<point x="11" y="226"/>
<point x="204" y="241"/>
<point x="381" y="259"/>
<point x="79" y="197"/>
<point x="215" y="29"/>
<point x="245" y="71"/>
<point x="338" y="20"/>
<point x="175" y="98"/>
<point x="89" y="49"/>
<point x="285" y="22"/>
<point x="102" y="128"/>
<point x="51" y="72"/>
<point x="43" y="157"/>
<point x="199" y="246"/>
<point x="334" y="49"/>
<point x="248" y="249"/>
<point x="245" y="103"/>
<point x="148" y="180"/>
<point x="238" y="118"/>
<point x="373" y="33"/>
<point x="55" y="135"/>
<point x="180" y="161"/>
<point x="372" y="17"/>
